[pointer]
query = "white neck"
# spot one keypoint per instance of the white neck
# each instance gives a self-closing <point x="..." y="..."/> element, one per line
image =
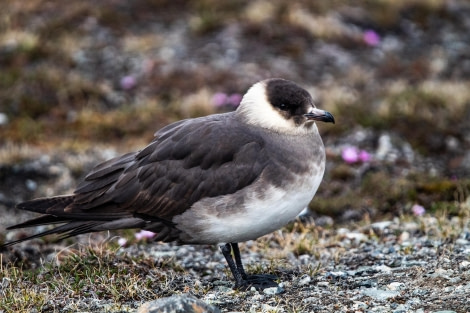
<point x="256" y="110"/>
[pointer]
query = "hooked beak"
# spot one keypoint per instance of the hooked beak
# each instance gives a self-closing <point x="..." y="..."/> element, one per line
<point x="320" y="115"/>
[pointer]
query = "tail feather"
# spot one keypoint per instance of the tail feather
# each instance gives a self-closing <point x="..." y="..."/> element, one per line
<point x="47" y="205"/>
<point x="58" y="210"/>
<point x="68" y="230"/>
<point x="41" y="220"/>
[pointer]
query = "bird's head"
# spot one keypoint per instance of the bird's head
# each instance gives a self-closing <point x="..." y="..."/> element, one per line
<point x="281" y="106"/>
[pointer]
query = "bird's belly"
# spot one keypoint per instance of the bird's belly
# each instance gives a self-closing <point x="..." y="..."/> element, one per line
<point x="224" y="219"/>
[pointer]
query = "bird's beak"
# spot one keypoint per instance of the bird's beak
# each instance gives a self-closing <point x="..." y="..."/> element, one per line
<point x="320" y="115"/>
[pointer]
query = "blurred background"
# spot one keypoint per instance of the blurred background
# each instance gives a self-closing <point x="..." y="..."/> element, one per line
<point x="82" y="81"/>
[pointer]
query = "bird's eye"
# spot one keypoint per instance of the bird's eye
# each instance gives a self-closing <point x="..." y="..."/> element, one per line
<point x="283" y="106"/>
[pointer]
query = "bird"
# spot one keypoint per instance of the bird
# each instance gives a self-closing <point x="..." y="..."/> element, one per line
<point x="219" y="179"/>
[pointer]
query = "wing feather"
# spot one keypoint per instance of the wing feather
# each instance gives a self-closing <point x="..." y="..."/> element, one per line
<point x="186" y="162"/>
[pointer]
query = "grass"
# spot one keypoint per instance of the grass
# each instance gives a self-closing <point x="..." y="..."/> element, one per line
<point x="102" y="277"/>
<point x="98" y="274"/>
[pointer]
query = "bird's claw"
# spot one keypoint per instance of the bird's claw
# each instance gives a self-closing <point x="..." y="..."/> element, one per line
<point x="260" y="282"/>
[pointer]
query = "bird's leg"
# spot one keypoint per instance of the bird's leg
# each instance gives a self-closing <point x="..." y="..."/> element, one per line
<point x="227" y="252"/>
<point x="242" y="280"/>
<point x="238" y="260"/>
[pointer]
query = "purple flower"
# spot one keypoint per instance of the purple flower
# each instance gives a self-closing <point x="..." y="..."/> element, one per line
<point x="144" y="234"/>
<point x="364" y="156"/>
<point x="350" y="154"/>
<point x="219" y="99"/>
<point x="418" y="210"/>
<point x="234" y="100"/>
<point x="128" y="82"/>
<point x="371" y="38"/>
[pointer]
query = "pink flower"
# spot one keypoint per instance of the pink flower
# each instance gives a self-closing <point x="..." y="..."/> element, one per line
<point x="418" y="210"/>
<point x="219" y="99"/>
<point x="371" y="38"/>
<point x="128" y="82"/>
<point x="144" y="234"/>
<point x="364" y="156"/>
<point x="350" y="155"/>
<point x="234" y="100"/>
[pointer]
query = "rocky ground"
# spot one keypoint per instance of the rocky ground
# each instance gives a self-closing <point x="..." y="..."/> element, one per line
<point x="389" y="228"/>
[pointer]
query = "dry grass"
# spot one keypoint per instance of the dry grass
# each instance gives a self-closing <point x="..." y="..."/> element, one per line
<point x="102" y="278"/>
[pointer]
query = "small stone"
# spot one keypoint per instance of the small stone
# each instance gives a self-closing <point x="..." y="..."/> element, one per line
<point x="368" y="283"/>
<point x="455" y="280"/>
<point x="395" y="286"/>
<point x="310" y="300"/>
<point x="224" y="289"/>
<point x="31" y="185"/>
<point x="323" y="284"/>
<point x="440" y="272"/>
<point x="258" y="297"/>
<point x="5" y="283"/>
<point x="404" y="236"/>
<point x="462" y="242"/>
<point x="400" y="309"/>
<point x="358" y="305"/>
<point x="383" y="268"/>
<point x="273" y="290"/>
<point x="177" y="304"/>
<point x="304" y="280"/>
<point x="381" y="226"/>
<point x="464" y="265"/>
<point x="356" y="237"/>
<point x="270" y="308"/>
<point x="380" y="295"/>
<point x="336" y="275"/>
<point x="3" y="119"/>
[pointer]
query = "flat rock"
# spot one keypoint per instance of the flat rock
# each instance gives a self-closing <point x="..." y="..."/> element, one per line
<point x="380" y="294"/>
<point x="177" y="304"/>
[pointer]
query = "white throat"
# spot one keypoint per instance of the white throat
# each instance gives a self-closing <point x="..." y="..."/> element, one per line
<point x="256" y="110"/>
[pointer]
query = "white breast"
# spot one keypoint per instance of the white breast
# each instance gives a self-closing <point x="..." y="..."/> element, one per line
<point x="219" y="220"/>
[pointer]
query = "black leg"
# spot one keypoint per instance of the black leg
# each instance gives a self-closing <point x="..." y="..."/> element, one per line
<point x="238" y="260"/>
<point x="242" y="280"/>
<point x="227" y="252"/>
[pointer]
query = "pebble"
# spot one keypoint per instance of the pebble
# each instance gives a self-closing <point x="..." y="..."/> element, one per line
<point x="323" y="284"/>
<point x="395" y="286"/>
<point x="336" y="275"/>
<point x="464" y="265"/>
<point x="440" y="272"/>
<point x="380" y="295"/>
<point x="358" y="305"/>
<point x="304" y="280"/>
<point x="404" y="237"/>
<point x="270" y="308"/>
<point x="381" y="226"/>
<point x="384" y="269"/>
<point x="31" y="185"/>
<point x="356" y="237"/>
<point x="3" y="119"/>
<point x="273" y="290"/>
<point x="177" y="304"/>
<point x="462" y="242"/>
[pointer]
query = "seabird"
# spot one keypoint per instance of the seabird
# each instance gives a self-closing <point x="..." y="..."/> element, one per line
<point x="219" y="179"/>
